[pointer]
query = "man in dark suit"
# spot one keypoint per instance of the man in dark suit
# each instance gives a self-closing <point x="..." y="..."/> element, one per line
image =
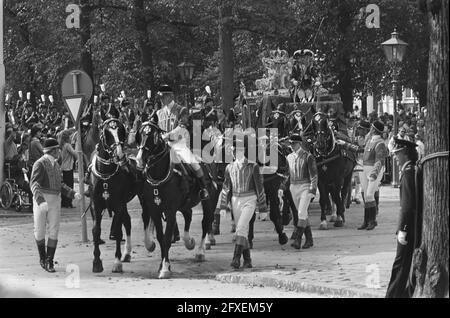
<point x="406" y="154"/>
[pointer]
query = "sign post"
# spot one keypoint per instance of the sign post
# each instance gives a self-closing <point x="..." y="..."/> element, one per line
<point x="76" y="91"/>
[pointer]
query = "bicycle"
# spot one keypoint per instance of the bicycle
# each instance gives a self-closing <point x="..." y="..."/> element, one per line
<point x="12" y="195"/>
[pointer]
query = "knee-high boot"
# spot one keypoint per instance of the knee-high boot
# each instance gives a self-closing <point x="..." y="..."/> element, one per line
<point x="41" y="249"/>
<point x="204" y="195"/>
<point x="51" y="249"/>
<point x="298" y="240"/>
<point x="236" y="262"/>
<point x="308" y="237"/>
<point x="364" y="225"/>
<point x="371" y="216"/>
<point x="377" y="199"/>
<point x="247" y="259"/>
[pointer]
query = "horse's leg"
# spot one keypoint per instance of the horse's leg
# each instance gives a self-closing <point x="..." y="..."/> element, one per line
<point x="345" y="191"/>
<point x="149" y="227"/>
<point x="157" y="221"/>
<point x="206" y="224"/>
<point x="189" y="242"/>
<point x="333" y="206"/>
<point x="165" y="264"/>
<point x="323" y="192"/>
<point x="275" y="215"/>
<point x="97" y="266"/>
<point x="336" y="195"/>
<point x="176" y="233"/>
<point x="128" y="247"/>
<point x="117" y="232"/>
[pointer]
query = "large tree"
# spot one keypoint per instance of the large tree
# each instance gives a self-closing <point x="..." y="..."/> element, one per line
<point x="430" y="261"/>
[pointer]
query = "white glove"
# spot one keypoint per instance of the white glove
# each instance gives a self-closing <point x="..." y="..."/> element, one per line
<point x="77" y="196"/>
<point x="223" y="213"/>
<point x="43" y="207"/>
<point x="340" y="142"/>
<point x="280" y="194"/>
<point x="401" y="237"/>
<point x="295" y="83"/>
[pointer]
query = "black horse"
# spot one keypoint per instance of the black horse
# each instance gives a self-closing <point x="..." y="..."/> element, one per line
<point x="168" y="189"/>
<point x="335" y="168"/>
<point x="113" y="185"/>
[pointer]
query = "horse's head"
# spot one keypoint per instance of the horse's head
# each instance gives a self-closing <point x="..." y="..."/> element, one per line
<point x="112" y="138"/>
<point x="324" y="135"/>
<point x="149" y="141"/>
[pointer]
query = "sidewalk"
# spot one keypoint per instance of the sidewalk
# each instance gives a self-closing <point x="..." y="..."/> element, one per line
<point x="344" y="262"/>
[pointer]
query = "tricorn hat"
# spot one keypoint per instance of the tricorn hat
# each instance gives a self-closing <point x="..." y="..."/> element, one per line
<point x="49" y="144"/>
<point x="364" y="124"/>
<point x="165" y="89"/>
<point x="400" y="144"/>
<point x="379" y="126"/>
<point x="295" y="138"/>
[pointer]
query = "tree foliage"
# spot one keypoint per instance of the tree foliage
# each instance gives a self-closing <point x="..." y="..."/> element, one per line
<point x="137" y="44"/>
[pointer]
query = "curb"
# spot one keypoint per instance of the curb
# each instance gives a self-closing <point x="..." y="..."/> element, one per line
<point x="295" y="286"/>
<point x="15" y="215"/>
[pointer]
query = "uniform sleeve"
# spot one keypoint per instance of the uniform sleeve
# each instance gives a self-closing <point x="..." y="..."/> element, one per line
<point x="312" y="167"/>
<point x="284" y="171"/>
<point x="380" y="157"/>
<point x="259" y="186"/>
<point x="226" y="188"/>
<point x="36" y="180"/>
<point x="407" y="201"/>
<point x="67" y="191"/>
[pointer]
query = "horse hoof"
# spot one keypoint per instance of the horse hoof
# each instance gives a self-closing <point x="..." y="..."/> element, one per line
<point x="117" y="268"/>
<point x="164" y="274"/>
<point x="338" y="223"/>
<point x="97" y="267"/>
<point x="207" y="246"/>
<point x="200" y="257"/>
<point x="151" y="248"/>
<point x="126" y="258"/>
<point x="190" y="245"/>
<point x="333" y="219"/>
<point x="323" y="226"/>
<point x="283" y="239"/>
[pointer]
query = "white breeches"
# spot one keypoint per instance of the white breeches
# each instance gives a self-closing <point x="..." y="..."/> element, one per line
<point x="369" y="187"/>
<point x="52" y="217"/>
<point x="243" y="209"/>
<point x="302" y="198"/>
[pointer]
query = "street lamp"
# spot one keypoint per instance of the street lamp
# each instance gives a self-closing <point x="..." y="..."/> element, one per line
<point x="186" y="70"/>
<point x="394" y="49"/>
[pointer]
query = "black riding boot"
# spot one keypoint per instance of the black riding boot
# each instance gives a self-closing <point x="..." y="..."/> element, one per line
<point x="309" y="238"/>
<point x="247" y="259"/>
<point x="372" y="218"/>
<point x="364" y="225"/>
<point x="236" y="262"/>
<point x="298" y="240"/>
<point x="50" y="255"/>
<point x="377" y="201"/>
<point x="204" y="195"/>
<point x="41" y="249"/>
<point x="216" y="224"/>
<point x="295" y="233"/>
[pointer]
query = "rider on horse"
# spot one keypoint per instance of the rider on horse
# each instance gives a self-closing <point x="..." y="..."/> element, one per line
<point x="170" y="120"/>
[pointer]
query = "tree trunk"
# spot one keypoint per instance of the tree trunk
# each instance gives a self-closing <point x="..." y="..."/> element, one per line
<point x="86" y="63"/>
<point x="145" y="47"/>
<point x="430" y="261"/>
<point x="226" y="53"/>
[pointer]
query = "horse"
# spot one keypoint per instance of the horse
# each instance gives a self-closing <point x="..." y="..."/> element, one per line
<point x="113" y="185"/>
<point x="335" y="168"/>
<point x="167" y="190"/>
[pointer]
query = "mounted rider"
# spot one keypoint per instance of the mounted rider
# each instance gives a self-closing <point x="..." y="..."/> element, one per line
<point x="173" y="121"/>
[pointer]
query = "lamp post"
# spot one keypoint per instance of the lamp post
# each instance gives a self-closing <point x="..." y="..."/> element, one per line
<point x="394" y="50"/>
<point x="186" y="70"/>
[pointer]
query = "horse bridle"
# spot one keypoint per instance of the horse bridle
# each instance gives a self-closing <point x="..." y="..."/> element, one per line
<point x="114" y="124"/>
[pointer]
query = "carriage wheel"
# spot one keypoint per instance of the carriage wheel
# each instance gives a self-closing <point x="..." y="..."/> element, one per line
<point x="6" y="195"/>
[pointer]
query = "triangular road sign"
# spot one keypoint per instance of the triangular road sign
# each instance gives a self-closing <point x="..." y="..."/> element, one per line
<point x="75" y="105"/>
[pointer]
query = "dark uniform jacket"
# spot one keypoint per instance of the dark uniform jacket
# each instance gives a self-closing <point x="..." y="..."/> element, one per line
<point x="407" y="200"/>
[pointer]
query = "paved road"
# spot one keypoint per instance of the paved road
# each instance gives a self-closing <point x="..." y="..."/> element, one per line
<point x="344" y="262"/>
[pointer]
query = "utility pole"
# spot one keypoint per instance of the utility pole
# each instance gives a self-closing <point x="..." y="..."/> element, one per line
<point x="2" y="96"/>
